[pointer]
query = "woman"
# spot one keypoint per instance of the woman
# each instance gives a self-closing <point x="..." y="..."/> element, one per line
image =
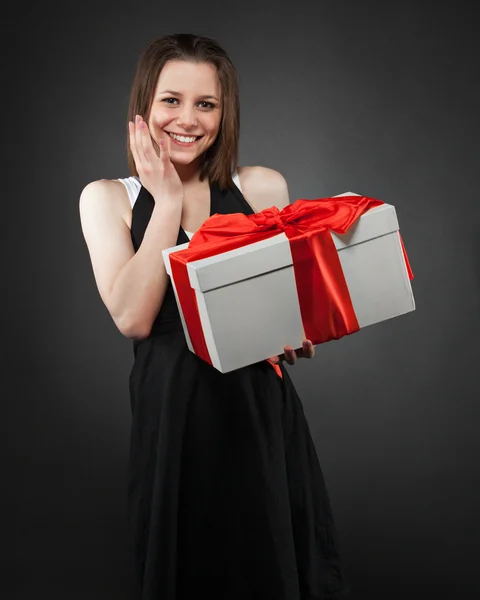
<point x="226" y="495"/>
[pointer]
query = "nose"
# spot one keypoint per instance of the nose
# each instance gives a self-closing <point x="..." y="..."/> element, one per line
<point x="187" y="118"/>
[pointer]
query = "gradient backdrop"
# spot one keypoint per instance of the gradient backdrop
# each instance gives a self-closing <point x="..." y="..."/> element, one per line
<point x="377" y="98"/>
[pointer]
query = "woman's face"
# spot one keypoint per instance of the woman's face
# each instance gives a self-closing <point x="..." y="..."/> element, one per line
<point x="187" y="102"/>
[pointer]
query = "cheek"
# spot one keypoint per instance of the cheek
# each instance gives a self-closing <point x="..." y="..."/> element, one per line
<point x="214" y="126"/>
<point x="159" y="123"/>
<point x="160" y="118"/>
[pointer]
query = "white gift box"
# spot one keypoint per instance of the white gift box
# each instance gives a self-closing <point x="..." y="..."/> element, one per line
<point x="248" y="302"/>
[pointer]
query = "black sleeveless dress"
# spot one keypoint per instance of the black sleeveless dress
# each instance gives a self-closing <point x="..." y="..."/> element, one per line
<point x="226" y="497"/>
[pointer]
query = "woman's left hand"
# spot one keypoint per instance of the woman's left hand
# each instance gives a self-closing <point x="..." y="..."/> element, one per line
<point x="290" y="355"/>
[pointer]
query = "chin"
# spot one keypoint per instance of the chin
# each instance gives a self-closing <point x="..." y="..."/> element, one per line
<point x="182" y="160"/>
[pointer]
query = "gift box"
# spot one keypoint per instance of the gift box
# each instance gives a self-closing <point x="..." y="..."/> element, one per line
<point x="248" y="285"/>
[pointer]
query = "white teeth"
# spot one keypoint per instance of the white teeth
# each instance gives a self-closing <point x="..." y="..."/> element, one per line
<point x="182" y="138"/>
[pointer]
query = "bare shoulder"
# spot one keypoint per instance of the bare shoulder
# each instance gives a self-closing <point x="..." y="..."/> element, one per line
<point x="107" y="237"/>
<point x="105" y="193"/>
<point x="264" y="187"/>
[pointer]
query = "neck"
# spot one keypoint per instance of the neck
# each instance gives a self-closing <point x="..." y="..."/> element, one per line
<point x="189" y="174"/>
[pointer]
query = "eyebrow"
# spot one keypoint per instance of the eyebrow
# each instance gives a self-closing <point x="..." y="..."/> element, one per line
<point x="180" y="94"/>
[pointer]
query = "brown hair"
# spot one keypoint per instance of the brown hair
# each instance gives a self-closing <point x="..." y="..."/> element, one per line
<point x="220" y="160"/>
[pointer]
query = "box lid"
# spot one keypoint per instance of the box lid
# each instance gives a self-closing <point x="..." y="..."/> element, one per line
<point x="243" y="263"/>
<point x="274" y="253"/>
<point x="380" y="220"/>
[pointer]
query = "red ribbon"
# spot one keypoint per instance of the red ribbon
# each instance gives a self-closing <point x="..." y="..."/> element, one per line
<point x="325" y="305"/>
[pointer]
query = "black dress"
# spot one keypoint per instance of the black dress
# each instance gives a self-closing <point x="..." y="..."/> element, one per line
<point x="226" y="498"/>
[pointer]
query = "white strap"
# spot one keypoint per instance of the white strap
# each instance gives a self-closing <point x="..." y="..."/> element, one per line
<point x="133" y="186"/>
<point x="236" y="181"/>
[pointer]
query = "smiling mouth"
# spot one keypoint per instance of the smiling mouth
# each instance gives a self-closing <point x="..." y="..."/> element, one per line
<point x="184" y="139"/>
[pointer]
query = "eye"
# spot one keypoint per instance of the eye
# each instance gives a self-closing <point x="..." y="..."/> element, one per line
<point x="207" y="105"/>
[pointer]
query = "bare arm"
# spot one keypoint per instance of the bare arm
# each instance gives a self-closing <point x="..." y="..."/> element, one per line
<point x="139" y="288"/>
<point x="131" y="285"/>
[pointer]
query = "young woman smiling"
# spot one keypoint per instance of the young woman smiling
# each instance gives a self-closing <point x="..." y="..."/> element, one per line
<point x="226" y="497"/>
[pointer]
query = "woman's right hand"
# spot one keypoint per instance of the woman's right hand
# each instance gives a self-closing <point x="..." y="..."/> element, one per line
<point x="156" y="173"/>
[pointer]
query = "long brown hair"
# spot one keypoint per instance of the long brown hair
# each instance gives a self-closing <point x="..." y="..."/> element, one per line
<point x="220" y="160"/>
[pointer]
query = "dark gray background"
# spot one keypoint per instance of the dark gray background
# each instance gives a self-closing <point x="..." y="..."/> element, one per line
<point x="377" y="98"/>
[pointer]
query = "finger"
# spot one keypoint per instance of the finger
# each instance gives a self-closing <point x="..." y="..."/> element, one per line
<point x="133" y="145"/>
<point x="137" y="138"/>
<point x="164" y="153"/>
<point x="308" y="349"/>
<point x="167" y="147"/>
<point x="147" y="144"/>
<point x="290" y="355"/>
<point x="139" y="123"/>
<point x="143" y="139"/>
<point x="156" y="146"/>
<point x="150" y="146"/>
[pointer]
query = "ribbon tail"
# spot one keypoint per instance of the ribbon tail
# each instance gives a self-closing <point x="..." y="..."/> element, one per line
<point x="189" y="307"/>
<point x="276" y="368"/>
<point x="325" y="304"/>
<point x="407" y="262"/>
